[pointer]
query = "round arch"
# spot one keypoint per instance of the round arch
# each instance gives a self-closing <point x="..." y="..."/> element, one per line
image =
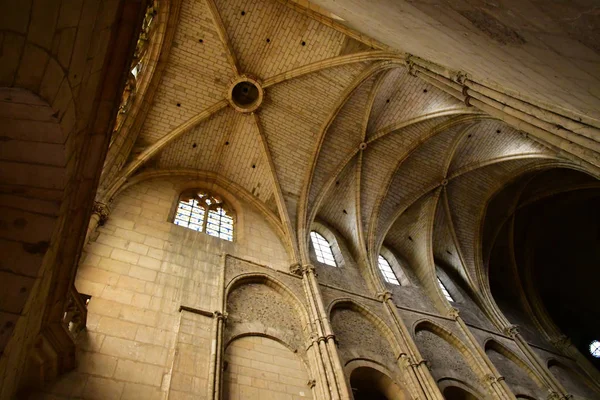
<point x="384" y="330"/>
<point x="273" y="283"/>
<point x="369" y="380"/>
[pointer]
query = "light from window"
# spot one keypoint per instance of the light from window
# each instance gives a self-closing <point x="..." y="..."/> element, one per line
<point x="386" y="270"/>
<point x="204" y="213"/>
<point x="445" y="291"/>
<point x="595" y="349"/>
<point x="322" y="249"/>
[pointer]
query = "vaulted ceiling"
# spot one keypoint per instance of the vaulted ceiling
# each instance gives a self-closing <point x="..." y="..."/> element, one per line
<point x="344" y="134"/>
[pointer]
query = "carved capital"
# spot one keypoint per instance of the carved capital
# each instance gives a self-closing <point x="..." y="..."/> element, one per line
<point x="489" y="379"/>
<point x="308" y="268"/>
<point x="410" y="64"/>
<point x="552" y="395"/>
<point x="296" y="269"/>
<point x="311" y="383"/>
<point x="219" y="315"/>
<point x="461" y="77"/>
<point x="453" y="313"/>
<point x="511" y="330"/>
<point x="384" y="296"/>
<point x="405" y="360"/>
<point x="561" y="342"/>
<point x="102" y="210"/>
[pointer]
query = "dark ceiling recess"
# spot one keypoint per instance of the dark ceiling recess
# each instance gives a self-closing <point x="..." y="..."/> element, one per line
<point x="556" y="240"/>
<point x="245" y="93"/>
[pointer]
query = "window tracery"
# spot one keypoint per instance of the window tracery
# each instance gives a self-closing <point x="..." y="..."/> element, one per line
<point x="138" y="65"/>
<point x="445" y="291"/>
<point x="386" y="270"/>
<point x="322" y="249"/>
<point x="204" y="212"/>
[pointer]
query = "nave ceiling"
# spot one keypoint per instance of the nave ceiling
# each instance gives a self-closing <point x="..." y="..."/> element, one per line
<point x="345" y="133"/>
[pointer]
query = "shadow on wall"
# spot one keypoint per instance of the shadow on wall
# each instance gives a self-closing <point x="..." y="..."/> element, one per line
<point x="369" y="384"/>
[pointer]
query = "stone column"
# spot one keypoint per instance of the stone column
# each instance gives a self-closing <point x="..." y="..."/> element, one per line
<point x="324" y="340"/>
<point x="492" y="378"/>
<point x="100" y="213"/>
<point x="555" y="388"/>
<point x="424" y="386"/>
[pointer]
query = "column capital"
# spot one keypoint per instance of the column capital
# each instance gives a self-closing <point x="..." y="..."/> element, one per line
<point x="553" y="395"/>
<point x="220" y="315"/>
<point x="384" y="296"/>
<point x="561" y="342"/>
<point x="308" y="268"/>
<point x="454" y="313"/>
<point x="490" y="379"/>
<point x="102" y="210"/>
<point x="511" y="330"/>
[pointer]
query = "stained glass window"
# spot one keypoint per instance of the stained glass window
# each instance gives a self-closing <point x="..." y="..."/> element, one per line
<point x="204" y="212"/>
<point x="386" y="270"/>
<point x="322" y="249"/>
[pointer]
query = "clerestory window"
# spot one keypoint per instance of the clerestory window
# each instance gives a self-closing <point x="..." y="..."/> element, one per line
<point x="387" y="272"/>
<point x="204" y="212"/>
<point x="445" y="291"/>
<point x="595" y="349"/>
<point x="322" y="249"/>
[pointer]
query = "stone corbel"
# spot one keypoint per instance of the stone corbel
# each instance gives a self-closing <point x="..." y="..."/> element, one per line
<point x="102" y="211"/>
<point x="296" y="269"/>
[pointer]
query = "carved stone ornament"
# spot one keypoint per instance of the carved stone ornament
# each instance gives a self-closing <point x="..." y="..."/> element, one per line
<point x="453" y="313"/>
<point x="561" y="342"/>
<point x="220" y="315"/>
<point x="311" y="383"/>
<point x="512" y="330"/>
<point x="489" y="379"/>
<point x="384" y="296"/>
<point x="102" y="210"/>
<point x="405" y="360"/>
<point x="552" y="395"/>
<point x="296" y="269"/>
<point x="410" y="64"/>
<point x="308" y="268"/>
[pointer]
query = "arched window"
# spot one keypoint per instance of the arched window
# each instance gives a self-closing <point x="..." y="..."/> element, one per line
<point x="138" y="65"/>
<point x="204" y="212"/>
<point x="386" y="270"/>
<point x="322" y="249"/>
<point x="445" y="291"/>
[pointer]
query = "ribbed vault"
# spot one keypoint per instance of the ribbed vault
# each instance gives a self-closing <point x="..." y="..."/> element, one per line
<point x="346" y="133"/>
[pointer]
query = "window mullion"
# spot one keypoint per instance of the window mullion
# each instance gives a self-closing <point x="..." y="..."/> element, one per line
<point x="205" y="220"/>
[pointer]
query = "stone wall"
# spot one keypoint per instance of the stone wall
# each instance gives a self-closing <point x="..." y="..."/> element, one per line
<point x="260" y="368"/>
<point x="139" y="269"/>
<point x="61" y="65"/>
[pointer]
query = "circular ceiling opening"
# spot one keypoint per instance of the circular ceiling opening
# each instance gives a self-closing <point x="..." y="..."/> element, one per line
<point x="245" y="94"/>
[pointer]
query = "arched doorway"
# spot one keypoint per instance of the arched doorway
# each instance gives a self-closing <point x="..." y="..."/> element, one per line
<point x="370" y="384"/>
